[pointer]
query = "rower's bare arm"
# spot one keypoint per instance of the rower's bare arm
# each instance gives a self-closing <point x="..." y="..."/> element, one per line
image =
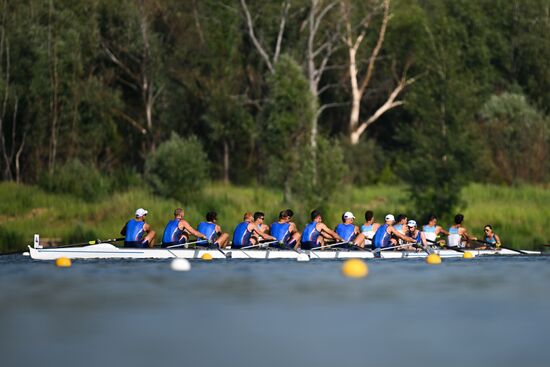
<point x="263" y="234"/>
<point x="441" y="230"/>
<point x="423" y="239"/>
<point x="192" y="230"/>
<point x="402" y="236"/>
<point x="330" y="232"/>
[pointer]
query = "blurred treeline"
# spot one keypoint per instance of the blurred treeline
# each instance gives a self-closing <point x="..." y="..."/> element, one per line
<point x="304" y="95"/>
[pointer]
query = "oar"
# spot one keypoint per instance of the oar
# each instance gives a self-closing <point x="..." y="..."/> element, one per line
<point x="454" y="248"/>
<point x="185" y="244"/>
<point x="327" y="246"/>
<point x="506" y="248"/>
<point x="259" y="244"/>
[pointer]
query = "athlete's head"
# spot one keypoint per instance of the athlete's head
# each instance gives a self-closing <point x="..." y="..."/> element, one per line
<point x="401" y="218"/>
<point x="459" y="218"/>
<point x="347" y="216"/>
<point x="211" y="216"/>
<point x="315" y="214"/>
<point x="178" y="213"/>
<point x="259" y="215"/>
<point x="389" y="219"/>
<point x="432" y="220"/>
<point x="369" y="215"/>
<point x="247" y="217"/>
<point x="488" y="228"/>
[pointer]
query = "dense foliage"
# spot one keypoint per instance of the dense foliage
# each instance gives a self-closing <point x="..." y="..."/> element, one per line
<point x="268" y="89"/>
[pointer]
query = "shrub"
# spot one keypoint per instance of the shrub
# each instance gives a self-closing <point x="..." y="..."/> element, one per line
<point x="178" y="169"/>
<point x="76" y="178"/>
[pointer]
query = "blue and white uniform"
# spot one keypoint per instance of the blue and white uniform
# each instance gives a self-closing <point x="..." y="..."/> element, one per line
<point x="429" y="231"/>
<point x="209" y="230"/>
<point x="368" y="232"/>
<point x="418" y="238"/>
<point x="492" y="241"/>
<point x="135" y="234"/>
<point x="454" y="239"/>
<point x="281" y="231"/>
<point x="382" y="237"/>
<point x="173" y="235"/>
<point x="346" y="231"/>
<point x="310" y="236"/>
<point x="241" y="236"/>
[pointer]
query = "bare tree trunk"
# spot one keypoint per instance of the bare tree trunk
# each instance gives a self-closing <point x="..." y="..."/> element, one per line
<point x="225" y="161"/>
<point x="359" y="84"/>
<point x="54" y="101"/>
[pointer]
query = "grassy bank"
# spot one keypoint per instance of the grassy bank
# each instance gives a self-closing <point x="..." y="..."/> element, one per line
<point x="520" y="215"/>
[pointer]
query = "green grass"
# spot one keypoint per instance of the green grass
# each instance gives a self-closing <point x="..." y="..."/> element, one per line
<point x="520" y="215"/>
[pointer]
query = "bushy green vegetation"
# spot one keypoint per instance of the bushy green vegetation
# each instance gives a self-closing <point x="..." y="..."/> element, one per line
<point x="520" y="215"/>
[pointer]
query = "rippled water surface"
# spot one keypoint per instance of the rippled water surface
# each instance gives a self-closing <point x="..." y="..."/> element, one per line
<point x="483" y="312"/>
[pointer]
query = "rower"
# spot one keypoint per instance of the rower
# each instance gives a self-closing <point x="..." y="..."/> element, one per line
<point x="316" y="232"/>
<point x="177" y="230"/>
<point x="137" y="233"/>
<point x="369" y="228"/>
<point x="383" y="236"/>
<point x="458" y="235"/>
<point x="432" y="230"/>
<point x="285" y="231"/>
<point x="259" y="218"/>
<point x="491" y="237"/>
<point x="349" y="231"/>
<point x="416" y="234"/>
<point x="401" y="223"/>
<point x="212" y="231"/>
<point x="243" y="236"/>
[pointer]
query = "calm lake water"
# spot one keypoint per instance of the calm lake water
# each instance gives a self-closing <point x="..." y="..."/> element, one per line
<point x="483" y="312"/>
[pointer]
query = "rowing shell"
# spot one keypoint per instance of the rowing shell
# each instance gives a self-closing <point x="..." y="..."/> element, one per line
<point x="108" y="251"/>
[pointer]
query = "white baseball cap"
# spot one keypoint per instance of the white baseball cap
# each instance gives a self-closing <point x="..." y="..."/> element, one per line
<point x="411" y="223"/>
<point x="348" y="215"/>
<point x="141" y="212"/>
<point x="389" y="217"/>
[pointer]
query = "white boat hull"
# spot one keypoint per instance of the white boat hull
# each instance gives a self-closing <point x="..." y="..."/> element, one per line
<point x="108" y="251"/>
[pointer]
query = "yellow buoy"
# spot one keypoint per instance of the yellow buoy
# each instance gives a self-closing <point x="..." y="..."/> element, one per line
<point x="433" y="259"/>
<point x="355" y="268"/>
<point x="63" y="262"/>
<point x="468" y="255"/>
<point x="206" y="256"/>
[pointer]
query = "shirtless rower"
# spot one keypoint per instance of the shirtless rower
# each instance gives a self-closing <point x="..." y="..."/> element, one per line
<point x="316" y="233"/>
<point x="213" y="231"/>
<point x="383" y="236"/>
<point x="246" y="233"/>
<point x="137" y="233"/>
<point x="349" y="231"/>
<point x="285" y="231"/>
<point x="369" y="227"/>
<point x="177" y="230"/>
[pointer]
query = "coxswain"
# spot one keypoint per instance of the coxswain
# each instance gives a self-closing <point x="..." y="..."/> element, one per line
<point x="316" y="233"/>
<point x="212" y="231"/>
<point x="416" y="234"/>
<point x="349" y="231"/>
<point x="458" y="235"/>
<point x="137" y="233"/>
<point x="246" y="233"/>
<point x="285" y="230"/>
<point x="177" y="230"/>
<point x="383" y="236"/>
<point x="491" y="238"/>
<point x="368" y="229"/>
<point x="432" y="230"/>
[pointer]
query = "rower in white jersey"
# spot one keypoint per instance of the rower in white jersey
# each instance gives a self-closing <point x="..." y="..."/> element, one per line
<point x="368" y="229"/>
<point x="458" y="235"/>
<point x="432" y="230"/>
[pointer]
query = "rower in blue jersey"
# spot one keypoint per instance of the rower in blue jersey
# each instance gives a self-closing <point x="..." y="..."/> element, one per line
<point x="432" y="230"/>
<point x="247" y="233"/>
<point x="316" y="232"/>
<point x="137" y="233"/>
<point x="177" y="230"/>
<point x="458" y="235"/>
<point x="212" y="231"/>
<point x="417" y="235"/>
<point x="285" y="231"/>
<point x="349" y="231"/>
<point x="383" y="236"/>
<point x="368" y="229"/>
